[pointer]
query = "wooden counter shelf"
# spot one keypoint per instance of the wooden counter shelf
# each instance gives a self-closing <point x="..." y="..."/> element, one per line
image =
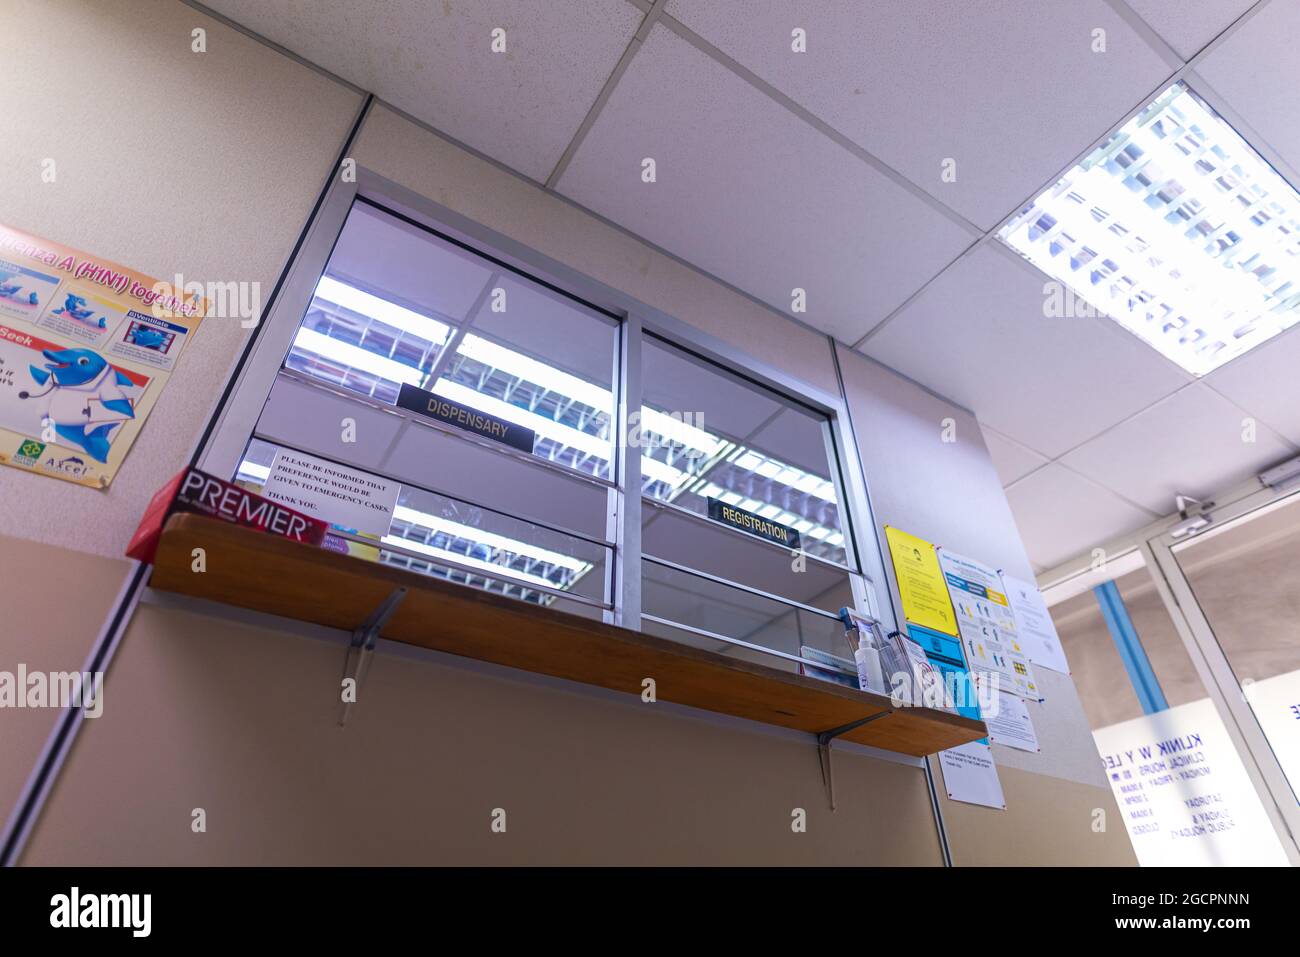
<point x="265" y="573"/>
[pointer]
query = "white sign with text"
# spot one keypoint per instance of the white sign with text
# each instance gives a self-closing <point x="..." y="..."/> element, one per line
<point x="1185" y="796"/>
<point x="333" y="493"/>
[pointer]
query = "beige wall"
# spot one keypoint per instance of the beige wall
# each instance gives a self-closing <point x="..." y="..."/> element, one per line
<point x="1048" y="822"/>
<point x="243" y="722"/>
<point x="239" y="719"/>
<point x="166" y="161"/>
<point x="45" y="631"/>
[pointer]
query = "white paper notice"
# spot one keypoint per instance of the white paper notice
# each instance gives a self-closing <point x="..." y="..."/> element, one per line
<point x="970" y="776"/>
<point x="987" y="624"/>
<point x="331" y="492"/>
<point x="1276" y="703"/>
<point x="1184" y="794"/>
<point x="1011" y="725"/>
<point x="1034" y="628"/>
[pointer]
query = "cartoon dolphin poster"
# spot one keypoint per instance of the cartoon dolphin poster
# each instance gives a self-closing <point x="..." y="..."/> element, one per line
<point x="86" y="398"/>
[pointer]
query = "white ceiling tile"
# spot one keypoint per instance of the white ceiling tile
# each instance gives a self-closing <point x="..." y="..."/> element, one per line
<point x="752" y="194"/>
<point x="978" y="335"/>
<point x="795" y="438"/>
<point x="1188" y="25"/>
<point x="398" y="262"/>
<point x="1061" y="515"/>
<point x="1194" y="442"/>
<point x="1011" y="91"/>
<point x="1011" y="459"/>
<point x="1256" y="70"/>
<point x="434" y="61"/>
<point x="1265" y="383"/>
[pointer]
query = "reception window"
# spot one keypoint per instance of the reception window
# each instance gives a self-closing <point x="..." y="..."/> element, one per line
<point x="742" y="534"/>
<point x="487" y="400"/>
<point x="505" y="486"/>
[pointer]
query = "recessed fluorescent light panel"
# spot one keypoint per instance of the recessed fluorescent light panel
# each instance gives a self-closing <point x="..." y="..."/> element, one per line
<point x="1176" y="229"/>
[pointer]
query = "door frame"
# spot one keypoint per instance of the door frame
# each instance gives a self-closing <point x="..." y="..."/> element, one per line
<point x="1216" y="673"/>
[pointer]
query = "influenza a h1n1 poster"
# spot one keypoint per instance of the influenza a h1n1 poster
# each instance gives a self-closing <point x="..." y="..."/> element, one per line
<point x="86" y="347"/>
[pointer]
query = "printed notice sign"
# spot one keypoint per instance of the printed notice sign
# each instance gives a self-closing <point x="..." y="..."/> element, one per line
<point x="1276" y="703"/>
<point x="1187" y="800"/>
<point x="920" y="582"/>
<point x="1034" y="628"/>
<point x="987" y="624"/>
<point x="86" y="347"/>
<point x="332" y="493"/>
<point x="970" y="776"/>
<point x="720" y="511"/>
<point x="1009" y="723"/>
<point x="465" y="417"/>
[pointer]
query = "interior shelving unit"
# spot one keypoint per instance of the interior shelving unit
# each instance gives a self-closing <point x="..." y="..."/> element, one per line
<point x="264" y="573"/>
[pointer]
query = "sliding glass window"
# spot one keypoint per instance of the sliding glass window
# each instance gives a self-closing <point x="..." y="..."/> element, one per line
<point x="744" y="548"/>
<point x="488" y="395"/>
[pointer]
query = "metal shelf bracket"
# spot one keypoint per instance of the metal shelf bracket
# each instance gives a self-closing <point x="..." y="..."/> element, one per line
<point x="824" y="739"/>
<point x="362" y="647"/>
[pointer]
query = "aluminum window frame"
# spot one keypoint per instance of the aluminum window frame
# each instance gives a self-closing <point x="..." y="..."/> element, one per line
<point x="236" y="421"/>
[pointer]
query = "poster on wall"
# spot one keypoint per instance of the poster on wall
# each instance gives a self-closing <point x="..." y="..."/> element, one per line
<point x="970" y="776"/>
<point x="1184" y="794"/>
<point x="920" y="582"/>
<point x="987" y="624"/>
<point x="86" y="347"/>
<point x="1034" y="628"/>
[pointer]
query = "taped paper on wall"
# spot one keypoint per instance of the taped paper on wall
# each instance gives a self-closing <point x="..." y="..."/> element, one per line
<point x="970" y="776"/>
<point x="920" y="582"/>
<point x="1009" y="724"/>
<point x="987" y="624"/>
<point x="1034" y="628"/>
<point x="344" y="497"/>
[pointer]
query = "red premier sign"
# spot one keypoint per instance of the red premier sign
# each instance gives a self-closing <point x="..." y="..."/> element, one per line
<point x="204" y="494"/>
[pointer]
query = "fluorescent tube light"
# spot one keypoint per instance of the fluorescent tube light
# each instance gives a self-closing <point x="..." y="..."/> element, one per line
<point x="436" y="523"/>
<point x="450" y="556"/>
<point x="355" y="357"/>
<point x="530" y="370"/>
<point x="1177" y="230"/>
<point x="350" y="297"/>
<point x="258" y="473"/>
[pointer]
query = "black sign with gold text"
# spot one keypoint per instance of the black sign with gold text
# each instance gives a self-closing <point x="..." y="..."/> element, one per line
<point x="720" y="511"/>
<point x="465" y="417"/>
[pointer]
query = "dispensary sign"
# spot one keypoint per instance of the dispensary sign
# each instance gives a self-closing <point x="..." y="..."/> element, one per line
<point x="720" y="511"/>
<point x="465" y="417"/>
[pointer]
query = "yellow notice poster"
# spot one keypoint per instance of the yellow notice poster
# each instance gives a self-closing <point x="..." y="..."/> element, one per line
<point x="86" y="347"/>
<point x="920" y="582"/>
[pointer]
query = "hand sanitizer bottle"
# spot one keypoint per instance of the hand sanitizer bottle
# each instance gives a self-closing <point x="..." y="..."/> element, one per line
<point x="867" y="658"/>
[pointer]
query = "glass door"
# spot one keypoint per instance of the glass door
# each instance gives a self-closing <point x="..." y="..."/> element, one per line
<point x="1185" y="789"/>
<point x="1236" y="585"/>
